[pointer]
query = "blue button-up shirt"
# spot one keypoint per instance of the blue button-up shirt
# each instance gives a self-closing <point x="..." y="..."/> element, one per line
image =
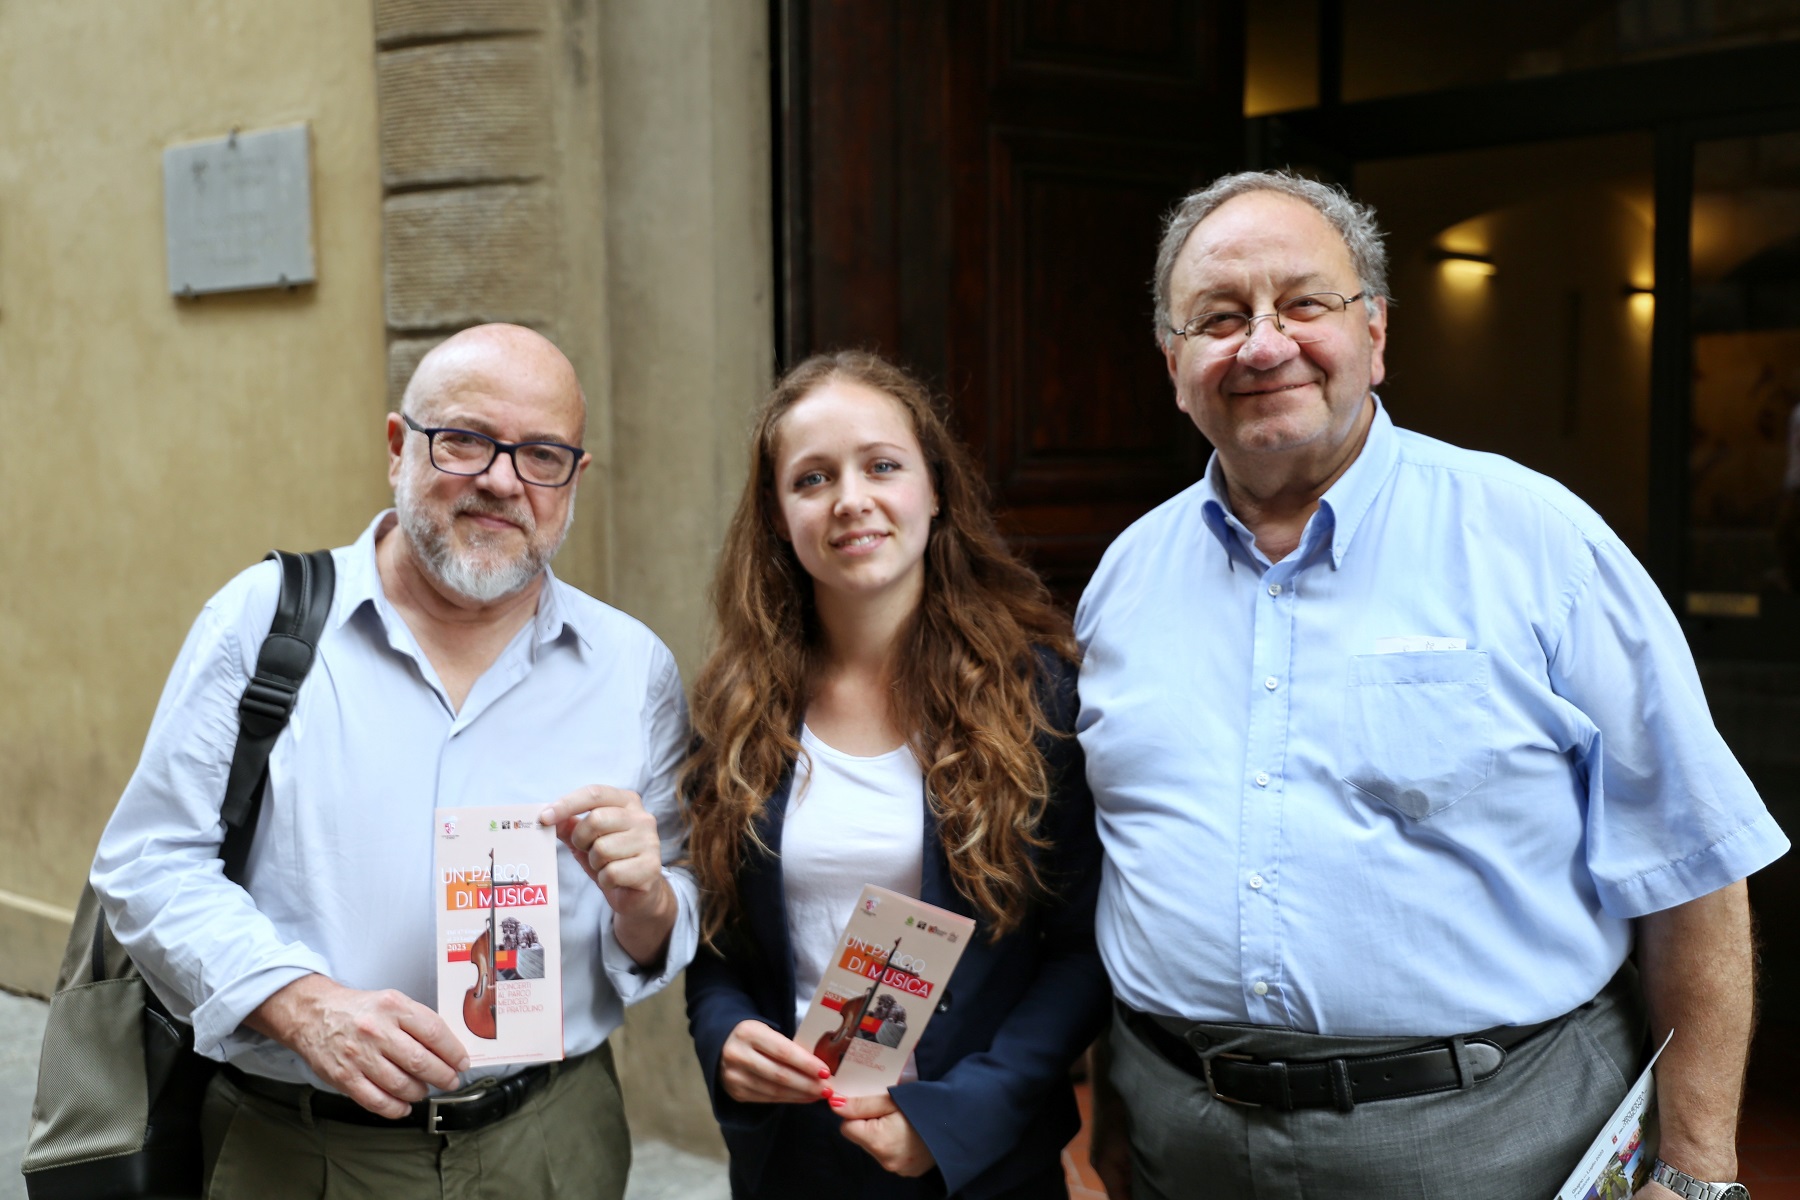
<point x="339" y="879"/>
<point x="1417" y="777"/>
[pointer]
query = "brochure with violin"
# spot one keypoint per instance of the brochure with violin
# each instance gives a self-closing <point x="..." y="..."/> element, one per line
<point x="499" y="958"/>
<point x="881" y="988"/>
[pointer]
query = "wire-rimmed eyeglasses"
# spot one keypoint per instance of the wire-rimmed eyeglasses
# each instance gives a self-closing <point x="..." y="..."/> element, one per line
<point x="465" y="452"/>
<point x="1299" y="319"/>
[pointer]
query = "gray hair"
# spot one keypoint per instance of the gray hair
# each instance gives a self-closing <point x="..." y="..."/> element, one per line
<point x="1354" y="222"/>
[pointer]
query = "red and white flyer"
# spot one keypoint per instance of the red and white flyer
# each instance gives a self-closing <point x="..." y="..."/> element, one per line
<point x="881" y="988"/>
<point x="499" y="941"/>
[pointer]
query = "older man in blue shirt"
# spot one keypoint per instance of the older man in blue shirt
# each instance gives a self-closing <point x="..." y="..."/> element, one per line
<point x="1398" y="753"/>
<point x="454" y="669"/>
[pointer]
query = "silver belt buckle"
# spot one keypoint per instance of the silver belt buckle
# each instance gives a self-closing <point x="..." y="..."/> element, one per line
<point x="1213" y="1087"/>
<point x="434" y="1103"/>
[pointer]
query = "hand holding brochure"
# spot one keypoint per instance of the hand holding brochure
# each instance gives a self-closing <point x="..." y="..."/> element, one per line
<point x="499" y="941"/>
<point x="1617" y="1163"/>
<point x="881" y="988"/>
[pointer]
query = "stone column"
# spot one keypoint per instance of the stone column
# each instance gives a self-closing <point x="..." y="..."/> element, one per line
<point x="689" y="237"/>
<point x="600" y="171"/>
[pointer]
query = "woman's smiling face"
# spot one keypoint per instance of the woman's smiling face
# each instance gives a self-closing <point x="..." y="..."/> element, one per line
<point x="853" y="491"/>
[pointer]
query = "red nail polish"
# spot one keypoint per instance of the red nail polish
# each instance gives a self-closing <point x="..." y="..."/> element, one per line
<point x="837" y="1102"/>
<point x="824" y="1074"/>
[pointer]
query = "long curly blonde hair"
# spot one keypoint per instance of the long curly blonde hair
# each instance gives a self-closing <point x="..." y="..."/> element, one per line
<point x="967" y="669"/>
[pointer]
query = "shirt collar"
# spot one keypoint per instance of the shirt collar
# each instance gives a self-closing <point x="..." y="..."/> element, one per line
<point x="1351" y="497"/>
<point x="359" y="584"/>
<point x="1215" y="510"/>
<point x="1341" y="508"/>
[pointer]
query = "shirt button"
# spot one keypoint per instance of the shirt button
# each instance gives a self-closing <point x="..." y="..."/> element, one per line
<point x="1274" y="589"/>
<point x="1260" y="988"/>
<point x="1271" y="683"/>
<point x="1262" y="779"/>
<point x="1256" y="881"/>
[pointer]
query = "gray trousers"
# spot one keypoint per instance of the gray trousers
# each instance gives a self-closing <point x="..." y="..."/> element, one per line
<point x="1516" y="1137"/>
<point x="569" y="1140"/>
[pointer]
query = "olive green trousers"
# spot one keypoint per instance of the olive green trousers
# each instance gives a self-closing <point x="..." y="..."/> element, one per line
<point x="568" y="1141"/>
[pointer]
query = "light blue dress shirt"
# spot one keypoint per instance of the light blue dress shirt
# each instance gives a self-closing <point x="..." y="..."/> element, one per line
<point x="340" y="877"/>
<point x="1414" y="779"/>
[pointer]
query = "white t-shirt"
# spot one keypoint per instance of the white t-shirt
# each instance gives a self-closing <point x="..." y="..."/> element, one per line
<point x="850" y="821"/>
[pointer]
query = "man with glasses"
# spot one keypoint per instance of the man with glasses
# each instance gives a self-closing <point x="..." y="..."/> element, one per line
<point x="1397" y="754"/>
<point x="454" y="670"/>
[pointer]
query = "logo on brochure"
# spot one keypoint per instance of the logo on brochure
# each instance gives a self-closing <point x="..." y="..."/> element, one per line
<point x="449" y="827"/>
<point x="871" y="904"/>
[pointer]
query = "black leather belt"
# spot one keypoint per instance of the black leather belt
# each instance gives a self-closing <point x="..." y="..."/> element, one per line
<point x="454" y="1112"/>
<point x="1445" y="1065"/>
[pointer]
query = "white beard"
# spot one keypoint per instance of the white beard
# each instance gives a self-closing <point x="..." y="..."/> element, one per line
<point x="468" y="572"/>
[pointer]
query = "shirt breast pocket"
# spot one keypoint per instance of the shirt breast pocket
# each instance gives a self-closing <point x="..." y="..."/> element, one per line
<point x="1418" y="728"/>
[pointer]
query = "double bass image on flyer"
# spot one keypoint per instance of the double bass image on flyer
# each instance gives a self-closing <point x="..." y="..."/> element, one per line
<point x="499" y="958"/>
<point x="881" y="987"/>
<point x="830" y="1047"/>
<point x="480" y="1013"/>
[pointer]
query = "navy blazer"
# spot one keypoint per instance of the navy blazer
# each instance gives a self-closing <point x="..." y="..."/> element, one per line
<point x="992" y="1101"/>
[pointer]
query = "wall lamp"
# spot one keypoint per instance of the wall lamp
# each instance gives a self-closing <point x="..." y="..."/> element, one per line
<point x="1462" y="260"/>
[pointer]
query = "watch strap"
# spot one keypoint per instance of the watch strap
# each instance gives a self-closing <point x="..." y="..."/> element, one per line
<point x="1683" y="1184"/>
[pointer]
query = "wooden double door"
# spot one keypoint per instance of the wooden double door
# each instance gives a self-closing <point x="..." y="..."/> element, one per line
<point x="975" y="189"/>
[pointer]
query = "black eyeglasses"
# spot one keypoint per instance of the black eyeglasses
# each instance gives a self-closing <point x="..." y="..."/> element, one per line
<point x="465" y="452"/>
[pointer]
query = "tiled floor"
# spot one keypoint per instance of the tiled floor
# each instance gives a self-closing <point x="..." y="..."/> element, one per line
<point x="1768" y="1149"/>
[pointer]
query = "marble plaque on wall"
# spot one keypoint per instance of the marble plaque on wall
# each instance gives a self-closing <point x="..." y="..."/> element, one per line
<point x="237" y="212"/>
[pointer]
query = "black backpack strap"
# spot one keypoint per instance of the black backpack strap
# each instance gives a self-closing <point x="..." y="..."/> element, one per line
<point x="307" y="581"/>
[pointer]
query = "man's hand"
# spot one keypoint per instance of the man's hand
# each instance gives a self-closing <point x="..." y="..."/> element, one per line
<point x="882" y="1130"/>
<point x="1109" y="1135"/>
<point x="384" y="1050"/>
<point x="616" y="842"/>
<point x="759" y="1066"/>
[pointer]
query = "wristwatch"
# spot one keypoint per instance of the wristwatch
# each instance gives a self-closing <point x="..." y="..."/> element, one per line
<point x="1683" y="1184"/>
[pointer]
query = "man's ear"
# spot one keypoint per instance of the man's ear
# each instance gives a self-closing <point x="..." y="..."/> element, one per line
<point x="396" y="440"/>
<point x="1378" y="314"/>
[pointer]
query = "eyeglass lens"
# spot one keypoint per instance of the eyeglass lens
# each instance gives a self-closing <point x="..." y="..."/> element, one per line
<point x="460" y="452"/>
<point x="1297" y="318"/>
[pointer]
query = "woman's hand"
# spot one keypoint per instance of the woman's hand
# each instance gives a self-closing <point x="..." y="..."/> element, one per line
<point x="759" y="1066"/>
<point x="882" y="1130"/>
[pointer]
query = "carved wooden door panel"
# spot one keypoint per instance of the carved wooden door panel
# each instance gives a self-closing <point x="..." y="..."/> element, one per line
<point x="975" y="189"/>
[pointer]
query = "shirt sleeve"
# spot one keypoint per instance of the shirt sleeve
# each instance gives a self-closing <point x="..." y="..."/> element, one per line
<point x="666" y="734"/>
<point x="196" y="937"/>
<point x="1671" y="815"/>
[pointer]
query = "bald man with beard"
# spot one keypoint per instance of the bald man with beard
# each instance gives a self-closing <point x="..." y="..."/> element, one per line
<point x="454" y="669"/>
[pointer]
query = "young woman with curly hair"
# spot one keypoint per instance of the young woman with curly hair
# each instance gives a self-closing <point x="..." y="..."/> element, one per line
<point x="890" y="701"/>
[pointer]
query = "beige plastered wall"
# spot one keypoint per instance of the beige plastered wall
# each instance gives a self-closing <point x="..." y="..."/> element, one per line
<point x="158" y="445"/>
<point x="162" y="445"/>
